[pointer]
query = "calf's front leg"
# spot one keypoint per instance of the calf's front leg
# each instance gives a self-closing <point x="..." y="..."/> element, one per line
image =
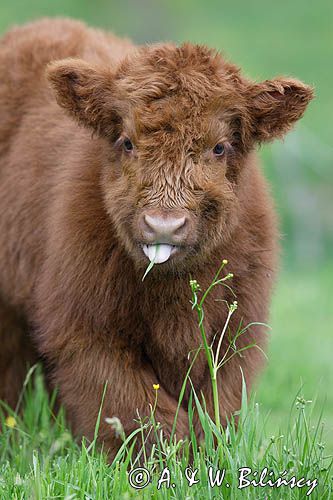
<point x="82" y="367"/>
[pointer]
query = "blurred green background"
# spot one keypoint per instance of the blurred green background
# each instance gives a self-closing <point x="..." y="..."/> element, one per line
<point x="293" y="38"/>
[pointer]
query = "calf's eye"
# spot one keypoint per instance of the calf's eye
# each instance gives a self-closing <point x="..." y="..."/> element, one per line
<point x="128" y="146"/>
<point x="219" y="149"/>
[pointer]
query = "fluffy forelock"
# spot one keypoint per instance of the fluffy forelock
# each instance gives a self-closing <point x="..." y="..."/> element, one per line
<point x="168" y="86"/>
<point x="162" y="71"/>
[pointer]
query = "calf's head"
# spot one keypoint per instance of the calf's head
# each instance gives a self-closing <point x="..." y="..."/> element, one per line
<point x="178" y="123"/>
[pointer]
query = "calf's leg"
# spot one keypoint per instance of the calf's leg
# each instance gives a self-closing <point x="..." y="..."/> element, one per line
<point x="84" y="366"/>
<point x="16" y="354"/>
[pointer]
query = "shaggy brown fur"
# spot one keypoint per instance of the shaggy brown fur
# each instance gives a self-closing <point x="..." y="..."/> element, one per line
<point x="72" y="198"/>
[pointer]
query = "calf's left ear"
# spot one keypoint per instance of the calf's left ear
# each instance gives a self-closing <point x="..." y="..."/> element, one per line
<point x="86" y="93"/>
<point x="275" y="105"/>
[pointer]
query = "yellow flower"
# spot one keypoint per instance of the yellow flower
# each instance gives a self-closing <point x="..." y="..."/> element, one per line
<point x="156" y="386"/>
<point x="225" y="262"/>
<point x="10" y="422"/>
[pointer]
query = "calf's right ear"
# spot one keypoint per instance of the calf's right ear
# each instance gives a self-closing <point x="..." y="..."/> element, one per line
<point x="86" y="93"/>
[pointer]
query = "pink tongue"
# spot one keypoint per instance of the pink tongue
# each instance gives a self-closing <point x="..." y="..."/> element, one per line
<point x="158" y="253"/>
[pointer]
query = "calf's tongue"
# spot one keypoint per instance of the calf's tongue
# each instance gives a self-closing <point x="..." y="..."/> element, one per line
<point x="159" y="253"/>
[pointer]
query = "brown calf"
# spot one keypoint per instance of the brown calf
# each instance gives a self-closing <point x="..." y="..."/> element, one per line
<point x="112" y="155"/>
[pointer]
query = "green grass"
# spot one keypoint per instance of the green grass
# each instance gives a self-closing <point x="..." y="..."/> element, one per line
<point x="279" y="429"/>
<point x="39" y="459"/>
<point x="301" y="347"/>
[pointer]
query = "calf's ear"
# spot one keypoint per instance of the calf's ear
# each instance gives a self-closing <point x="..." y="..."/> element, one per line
<point x="275" y="105"/>
<point x="86" y="93"/>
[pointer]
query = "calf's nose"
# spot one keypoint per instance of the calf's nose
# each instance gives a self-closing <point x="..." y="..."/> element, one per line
<point x="158" y="228"/>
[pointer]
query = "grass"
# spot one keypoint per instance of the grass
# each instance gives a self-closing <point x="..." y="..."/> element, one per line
<point x="301" y="346"/>
<point x="40" y="460"/>
<point x="281" y="431"/>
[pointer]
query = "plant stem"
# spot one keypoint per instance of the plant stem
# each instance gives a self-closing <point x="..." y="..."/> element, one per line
<point x="212" y="370"/>
<point x="216" y="401"/>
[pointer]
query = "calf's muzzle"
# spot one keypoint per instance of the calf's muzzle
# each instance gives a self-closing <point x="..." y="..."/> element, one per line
<point x="162" y="232"/>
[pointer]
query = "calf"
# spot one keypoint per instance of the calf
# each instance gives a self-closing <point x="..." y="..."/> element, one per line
<point x="112" y="155"/>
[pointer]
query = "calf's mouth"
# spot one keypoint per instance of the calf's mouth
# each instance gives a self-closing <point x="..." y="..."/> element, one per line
<point x="159" y="252"/>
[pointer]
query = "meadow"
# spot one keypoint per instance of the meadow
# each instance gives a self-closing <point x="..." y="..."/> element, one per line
<point x="280" y="427"/>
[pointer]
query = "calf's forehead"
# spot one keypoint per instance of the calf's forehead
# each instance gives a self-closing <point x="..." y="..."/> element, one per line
<point x="178" y="94"/>
<point x="178" y="122"/>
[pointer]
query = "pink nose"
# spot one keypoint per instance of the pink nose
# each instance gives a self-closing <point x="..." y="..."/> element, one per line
<point x="158" y="228"/>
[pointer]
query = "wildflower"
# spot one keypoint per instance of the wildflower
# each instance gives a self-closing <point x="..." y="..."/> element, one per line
<point x="233" y="306"/>
<point x="156" y="386"/>
<point x="225" y="262"/>
<point x="194" y="285"/>
<point x="10" y="422"/>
